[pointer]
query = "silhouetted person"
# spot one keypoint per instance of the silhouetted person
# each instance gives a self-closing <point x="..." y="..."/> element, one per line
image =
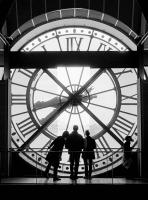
<point x="55" y="153"/>
<point x="127" y="159"/>
<point x="88" y="154"/>
<point x="75" y="144"/>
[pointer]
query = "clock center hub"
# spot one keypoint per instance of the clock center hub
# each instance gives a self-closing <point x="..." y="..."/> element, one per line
<point x="74" y="105"/>
<point x="76" y="99"/>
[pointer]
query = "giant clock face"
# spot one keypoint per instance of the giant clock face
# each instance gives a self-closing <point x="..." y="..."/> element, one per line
<point x="45" y="102"/>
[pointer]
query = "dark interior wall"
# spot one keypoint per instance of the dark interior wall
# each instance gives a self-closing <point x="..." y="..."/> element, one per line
<point x="144" y="127"/>
<point x="3" y="111"/>
<point x="4" y="127"/>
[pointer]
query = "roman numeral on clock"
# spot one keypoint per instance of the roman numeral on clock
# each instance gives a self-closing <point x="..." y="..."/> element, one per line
<point x="44" y="48"/>
<point x="104" y="47"/>
<point x="122" y="127"/>
<point x="26" y="126"/>
<point x="103" y="145"/>
<point x="26" y="72"/>
<point x="18" y="99"/>
<point x="73" y="43"/>
<point x="129" y="100"/>
<point x="98" y="151"/>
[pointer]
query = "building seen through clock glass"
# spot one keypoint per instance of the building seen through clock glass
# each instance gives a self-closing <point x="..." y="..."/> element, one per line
<point x="80" y="62"/>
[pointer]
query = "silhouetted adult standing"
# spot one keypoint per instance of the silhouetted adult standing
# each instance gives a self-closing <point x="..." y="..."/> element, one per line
<point x="127" y="159"/>
<point x="88" y="153"/>
<point x="75" y="144"/>
<point x="55" y="153"/>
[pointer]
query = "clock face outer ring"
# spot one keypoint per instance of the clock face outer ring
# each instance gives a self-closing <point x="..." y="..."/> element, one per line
<point x="75" y="22"/>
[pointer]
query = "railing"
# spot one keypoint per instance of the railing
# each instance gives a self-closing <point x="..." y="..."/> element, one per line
<point x="108" y="163"/>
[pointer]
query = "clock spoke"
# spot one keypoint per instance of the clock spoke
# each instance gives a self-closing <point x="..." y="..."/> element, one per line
<point x="69" y="79"/>
<point x="94" y="104"/>
<point x="69" y="118"/>
<point x="80" y="119"/>
<point x="87" y="97"/>
<point x="104" y="91"/>
<point x="52" y="117"/>
<point x="107" y="129"/>
<point x="128" y="85"/>
<point x="47" y="92"/>
<point x="57" y="81"/>
<point x="80" y="77"/>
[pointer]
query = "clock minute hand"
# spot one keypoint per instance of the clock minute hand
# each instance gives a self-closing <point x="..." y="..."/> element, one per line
<point x="90" y="81"/>
<point x="54" y="102"/>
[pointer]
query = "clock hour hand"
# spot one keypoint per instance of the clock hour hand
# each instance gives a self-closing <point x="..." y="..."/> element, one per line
<point x="57" y="101"/>
<point x="90" y="81"/>
<point x="54" y="102"/>
<point x="86" y="95"/>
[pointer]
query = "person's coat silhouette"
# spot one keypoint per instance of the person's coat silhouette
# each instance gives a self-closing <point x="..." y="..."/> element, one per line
<point x="88" y="153"/>
<point x="54" y="155"/>
<point x="75" y="144"/>
<point x="127" y="158"/>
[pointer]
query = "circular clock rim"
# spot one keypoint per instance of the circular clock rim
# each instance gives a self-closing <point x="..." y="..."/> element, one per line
<point x="78" y="22"/>
<point x="99" y="134"/>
